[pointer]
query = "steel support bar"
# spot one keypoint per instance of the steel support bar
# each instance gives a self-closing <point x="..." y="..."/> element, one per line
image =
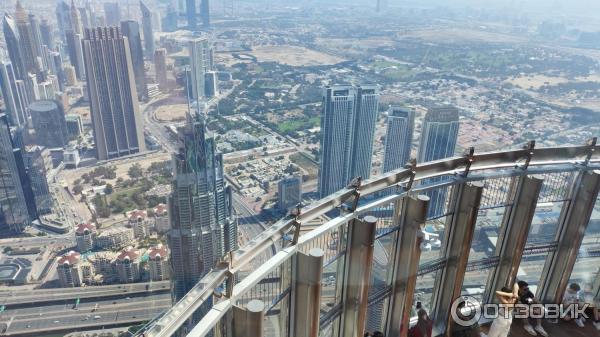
<point x="596" y="286"/>
<point x="249" y="321"/>
<point x="573" y="222"/>
<point x="306" y="293"/>
<point x="410" y="214"/>
<point x="458" y="236"/>
<point x="524" y="193"/>
<point x="357" y="276"/>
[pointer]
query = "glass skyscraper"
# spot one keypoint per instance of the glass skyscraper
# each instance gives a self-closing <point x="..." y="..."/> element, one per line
<point x="398" y="138"/>
<point x="438" y="141"/>
<point x="202" y="228"/>
<point x="116" y="119"/>
<point x="14" y="214"/>
<point x="348" y="127"/>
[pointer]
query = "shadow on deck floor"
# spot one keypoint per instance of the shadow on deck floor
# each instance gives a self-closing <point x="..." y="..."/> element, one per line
<point x="562" y="329"/>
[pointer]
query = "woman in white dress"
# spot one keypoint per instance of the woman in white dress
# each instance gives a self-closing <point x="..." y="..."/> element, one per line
<point x="501" y="325"/>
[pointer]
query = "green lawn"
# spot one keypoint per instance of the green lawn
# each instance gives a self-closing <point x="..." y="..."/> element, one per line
<point x="300" y="124"/>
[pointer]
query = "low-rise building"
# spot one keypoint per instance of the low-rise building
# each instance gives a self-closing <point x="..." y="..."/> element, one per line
<point x="69" y="271"/>
<point x="138" y="221"/>
<point x="161" y="219"/>
<point x="85" y="235"/>
<point x="115" y="238"/>
<point x="128" y="265"/>
<point x="158" y="263"/>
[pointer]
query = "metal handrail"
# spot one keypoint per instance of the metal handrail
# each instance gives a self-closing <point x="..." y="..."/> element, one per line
<point x="522" y="159"/>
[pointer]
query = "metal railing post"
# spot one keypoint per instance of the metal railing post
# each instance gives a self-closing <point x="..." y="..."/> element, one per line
<point x="410" y="213"/>
<point x="524" y="192"/>
<point x="574" y="219"/>
<point x="306" y="293"/>
<point x="357" y="276"/>
<point x="459" y="231"/>
<point x="249" y="321"/>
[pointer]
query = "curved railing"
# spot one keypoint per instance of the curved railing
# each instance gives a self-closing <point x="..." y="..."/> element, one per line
<point x="356" y="200"/>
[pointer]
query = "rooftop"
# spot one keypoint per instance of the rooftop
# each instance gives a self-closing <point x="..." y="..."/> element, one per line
<point x="128" y="253"/>
<point x="82" y="228"/>
<point x="69" y="258"/>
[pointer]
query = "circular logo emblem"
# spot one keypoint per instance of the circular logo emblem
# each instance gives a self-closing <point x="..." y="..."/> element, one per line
<point x="466" y="310"/>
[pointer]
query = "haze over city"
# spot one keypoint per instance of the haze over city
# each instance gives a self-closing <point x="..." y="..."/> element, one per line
<point x="307" y="168"/>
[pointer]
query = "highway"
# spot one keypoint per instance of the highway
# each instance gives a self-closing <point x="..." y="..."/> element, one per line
<point x="37" y="296"/>
<point x="61" y="317"/>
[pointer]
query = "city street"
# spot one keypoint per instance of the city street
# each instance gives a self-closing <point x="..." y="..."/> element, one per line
<point x="93" y="314"/>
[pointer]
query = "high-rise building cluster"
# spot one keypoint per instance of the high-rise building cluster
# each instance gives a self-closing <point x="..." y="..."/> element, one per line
<point x="103" y="52"/>
<point x="348" y="126"/>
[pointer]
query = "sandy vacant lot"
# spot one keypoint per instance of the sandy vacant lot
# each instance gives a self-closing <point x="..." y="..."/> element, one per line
<point x="537" y="81"/>
<point x="294" y="56"/>
<point x="171" y="113"/>
<point x="453" y="35"/>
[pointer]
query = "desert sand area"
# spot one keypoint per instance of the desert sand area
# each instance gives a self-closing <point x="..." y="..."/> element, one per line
<point x="537" y="81"/>
<point x="122" y="166"/>
<point x="171" y="113"/>
<point x="453" y="35"/>
<point x="294" y="56"/>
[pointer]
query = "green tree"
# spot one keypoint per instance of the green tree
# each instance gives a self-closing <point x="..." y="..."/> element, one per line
<point x="77" y="189"/>
<point x="135" y="171"/>
<point x="108" y="189"/>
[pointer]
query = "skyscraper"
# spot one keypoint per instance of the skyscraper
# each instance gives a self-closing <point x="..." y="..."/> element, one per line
<point x="116" y="119"/>
<point x="76" y="23"/>
<point x="160" y="68"/>
<point x="438" y="141"/>
<point x="49" y="123"/>
<point x="131" y="30"/>
<point x="190" y="11"/>
<point x="200" y="61"/>
<point x="36" y="41"/>
<point x="13" y="45"/>
<point x="398" y="139"/>
<point x="93" y="20"/>
<point x="112" y="13"/>
<point x="15" y="104"/>
<point x="37" y="161"/>
<point x="205" y="13"/>
<point x="14" y="215"/>
<point x="63" y="17"/>
<point x="289" y="192"/>
<point x="148" y="32"/>
<point x="348" y="127"/>
<point x="46" y="32"/>
<point x="73" y="36"/>
<point x="27" y="41"/>
<point x="202" y="230"/>
<point x="170" y="20"/>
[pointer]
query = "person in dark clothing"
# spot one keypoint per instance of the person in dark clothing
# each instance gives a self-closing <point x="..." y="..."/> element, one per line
<point x="528" y="298"/>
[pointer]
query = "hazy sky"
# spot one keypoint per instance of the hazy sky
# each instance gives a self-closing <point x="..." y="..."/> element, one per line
<point x="581" y="7"/>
